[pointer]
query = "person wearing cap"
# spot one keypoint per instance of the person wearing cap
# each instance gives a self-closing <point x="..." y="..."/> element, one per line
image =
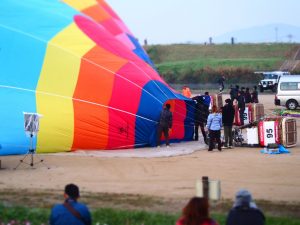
<point x="71" y="211"/>
<point x="245" y="211"/>
<point x="227" y="119"/>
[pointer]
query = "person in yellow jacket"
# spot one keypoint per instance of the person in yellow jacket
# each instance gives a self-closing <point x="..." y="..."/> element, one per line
<point x="186" y="92"/>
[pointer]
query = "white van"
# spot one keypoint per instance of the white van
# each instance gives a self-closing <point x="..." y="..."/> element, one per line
<point x="288" y="91"/>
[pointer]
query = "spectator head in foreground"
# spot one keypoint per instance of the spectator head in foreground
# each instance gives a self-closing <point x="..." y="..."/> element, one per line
<point x="244" y="198"/>
<point x="70" y="211"/>
<point x="245" y="211"/>
<point x="196" y="212"/>
<point x="71" y="191"/>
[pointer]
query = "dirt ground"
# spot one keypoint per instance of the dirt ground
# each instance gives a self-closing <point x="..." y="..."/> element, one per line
<point x="273" y="178"/>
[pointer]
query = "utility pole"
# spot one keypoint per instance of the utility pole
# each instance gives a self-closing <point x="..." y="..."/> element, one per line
<point x="276" y="34"/>
<point x="290" y="37"/>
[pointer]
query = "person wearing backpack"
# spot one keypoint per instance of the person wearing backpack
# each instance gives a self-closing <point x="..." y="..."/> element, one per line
<point x="164" y="124"/>
<point x="214" y="125"/>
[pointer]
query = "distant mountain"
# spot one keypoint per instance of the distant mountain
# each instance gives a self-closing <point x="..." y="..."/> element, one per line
<point x="258" y="34"/>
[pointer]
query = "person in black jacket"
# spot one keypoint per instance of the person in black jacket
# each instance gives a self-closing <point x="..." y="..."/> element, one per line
<point x="165" y="123"/>
<point x="245" y="211"/>
<point x="227" y="118"/>
<point x="201" y="114"/>
<point x="241" y="106"/>
<point x="247" y="96"/>
<point x="254" y="95"/>
<point x="221" y="83"/>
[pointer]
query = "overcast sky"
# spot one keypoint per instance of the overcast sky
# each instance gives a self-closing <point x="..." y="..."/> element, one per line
<point x="181" y="21"/>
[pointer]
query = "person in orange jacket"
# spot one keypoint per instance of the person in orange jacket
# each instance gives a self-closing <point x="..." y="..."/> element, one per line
<point x="186" y="92"/>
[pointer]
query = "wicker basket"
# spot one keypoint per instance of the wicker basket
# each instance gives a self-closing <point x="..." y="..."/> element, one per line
<point x="279" y="130"/>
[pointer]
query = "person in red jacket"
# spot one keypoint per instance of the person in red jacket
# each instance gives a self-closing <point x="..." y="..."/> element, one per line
<point x="196" y="212"/>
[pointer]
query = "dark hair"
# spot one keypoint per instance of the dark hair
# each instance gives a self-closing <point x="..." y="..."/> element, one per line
<point x="168" y="106"/>
<point x="228" y="100"/>
<point x="196" y="211"/>
<point x="206" y="93"/>
<point x="72" y="191"/>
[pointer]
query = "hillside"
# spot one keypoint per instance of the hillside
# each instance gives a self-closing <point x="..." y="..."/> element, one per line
<point x="205" y="63"/>
<point x="266" y="33"/>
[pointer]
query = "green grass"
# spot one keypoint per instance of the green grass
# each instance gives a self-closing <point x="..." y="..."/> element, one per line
<point x="179" y="64"/>
<point x="116" y="217"/>
<point x="254" y="64"/>
<point x="185" y="52"/>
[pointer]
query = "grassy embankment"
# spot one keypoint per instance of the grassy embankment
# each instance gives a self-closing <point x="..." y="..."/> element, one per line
<point x="190" y="64"/>
<point x="124" y="209"/>
<point x="116" y="217"/>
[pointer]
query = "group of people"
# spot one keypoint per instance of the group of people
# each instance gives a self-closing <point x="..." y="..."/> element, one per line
<point x="243" y="97"/>
<point x="243" y="212"/>
<point x="196" y="212"/>
<point x="215" y="120"/>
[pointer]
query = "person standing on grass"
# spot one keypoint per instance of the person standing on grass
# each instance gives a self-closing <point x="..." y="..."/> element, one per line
<point x="245" y="211"/>
<point x="214" y="125"/>
<point x="196" y="212"/>
<point x="165" y="123"/>
<point x="227" y="118"/>
<point x="71" y="211"/>
<point x="221" y="83"/>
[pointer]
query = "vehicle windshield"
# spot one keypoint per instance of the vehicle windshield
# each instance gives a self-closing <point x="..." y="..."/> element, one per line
<point x="270" y="76"/>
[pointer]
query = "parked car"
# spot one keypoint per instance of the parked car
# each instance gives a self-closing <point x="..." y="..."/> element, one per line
<point x="270" y="80"/>
<point x="288" y="92"/>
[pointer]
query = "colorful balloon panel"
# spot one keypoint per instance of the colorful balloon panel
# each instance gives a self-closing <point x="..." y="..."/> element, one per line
<point x="103" y="14"/>
<point x="92" y="90"/>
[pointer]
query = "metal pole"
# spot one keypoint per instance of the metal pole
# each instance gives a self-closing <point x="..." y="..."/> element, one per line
<point x="205" y="187"/>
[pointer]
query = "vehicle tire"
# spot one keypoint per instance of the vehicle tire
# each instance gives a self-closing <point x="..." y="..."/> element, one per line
<point x="261" y="89"/>
<point x="274" y="89"/>
<point x="292" y="104"/>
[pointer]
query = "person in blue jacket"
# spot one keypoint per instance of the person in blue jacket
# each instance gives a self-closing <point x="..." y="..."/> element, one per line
<point x="70" y="212"/>
<point x="214" y="125"/>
